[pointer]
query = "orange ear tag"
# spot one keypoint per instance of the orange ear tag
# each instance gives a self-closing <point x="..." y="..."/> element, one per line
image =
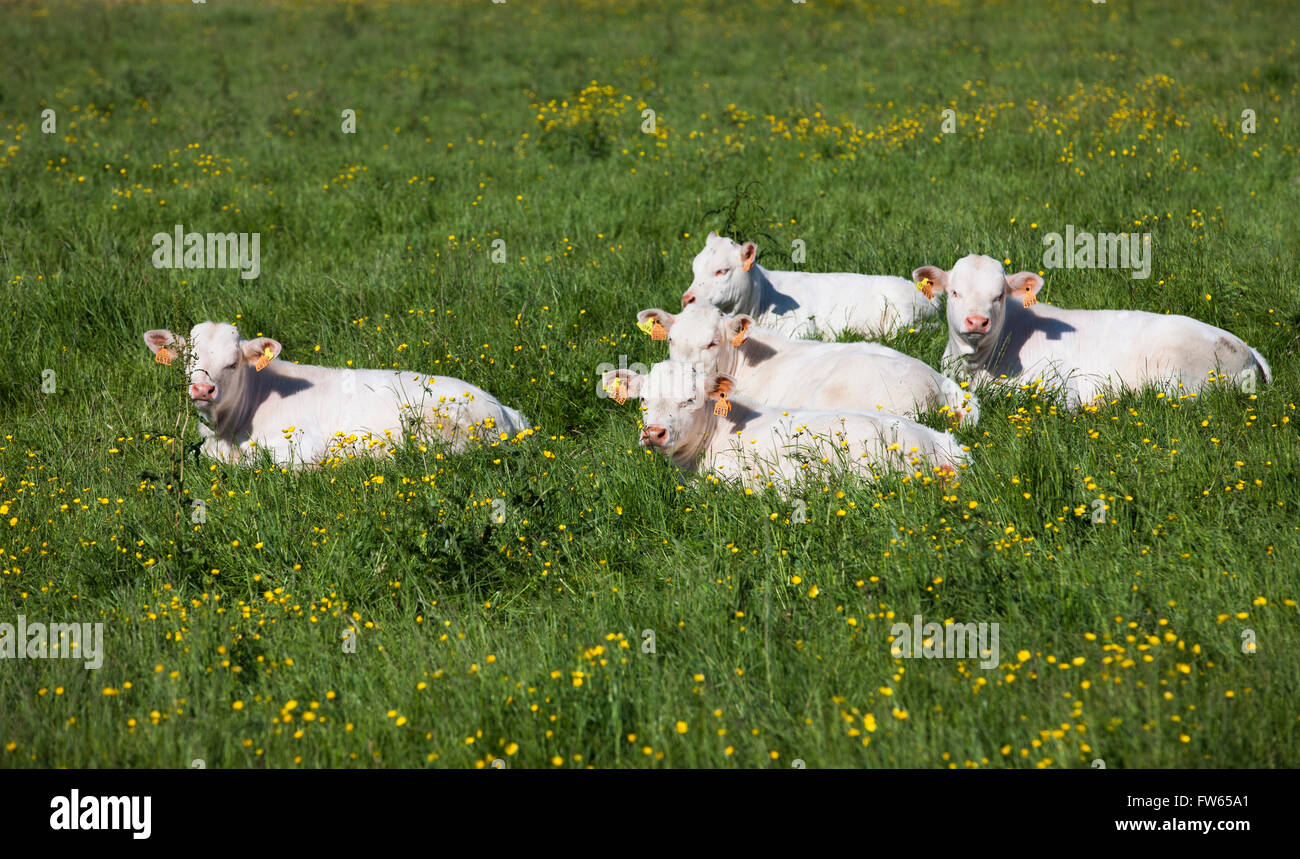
<point x="267" y="355"/>
<point x="722" y="407"/>
<point x="1029" y="300"/>
<point x="163" y="355"/>
<point x="927" y="288"/>
<point x="749" y="263"/>
<point x="740" y="337"/>
<point x="616" y="391"/>
<point x="646" y="326"/>
<point x="658" y="332"/>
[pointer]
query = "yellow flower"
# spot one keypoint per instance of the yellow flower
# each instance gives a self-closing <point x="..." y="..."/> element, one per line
<point x="681" y="727"/>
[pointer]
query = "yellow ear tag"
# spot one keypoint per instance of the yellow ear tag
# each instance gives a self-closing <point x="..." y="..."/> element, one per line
<point x="267" y="354"/>
<point x="646" y="326"/>
<point x="740" y="337"/>
<point x="1029" y="300"/>
<point x="927" y="288"/>
<point x="721" y="407"/>
<point x="616" y="391"/>
<point x="163" y="355"/>
<point x="658" y="332"/>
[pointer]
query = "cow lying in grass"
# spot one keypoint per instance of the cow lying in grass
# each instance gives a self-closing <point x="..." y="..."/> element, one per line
<point x="302" y="414"/>
<point x="694" y="419"/>
<point x="991" y="336"/>
<point x="771" y="368"/>
<point x="802" y="304"/>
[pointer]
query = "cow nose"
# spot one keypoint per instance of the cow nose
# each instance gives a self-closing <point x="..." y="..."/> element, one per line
<point x="654" y="434"/>
<point x="977" y="324"/>
<point x="202" y="390"/>
<point x="688" y="298"/>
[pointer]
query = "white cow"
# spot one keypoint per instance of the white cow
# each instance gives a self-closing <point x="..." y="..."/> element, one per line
<point x="771" y="368"/>
<point x="303" y="414"/>
<point x="759" y="445"/>
<point x="800" y="304"/>
<point x="1086" y="351"/>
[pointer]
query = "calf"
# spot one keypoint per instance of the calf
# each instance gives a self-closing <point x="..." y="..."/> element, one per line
<point x="302" y="414"/>
<point x="694" y="418"/>
<point x="800" y="304"/>
<point x="1086" y="351"/>
<point x="771" y="368"/>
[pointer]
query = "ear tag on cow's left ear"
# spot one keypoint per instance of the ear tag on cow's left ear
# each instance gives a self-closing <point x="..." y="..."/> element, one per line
<point x="927" y="288"/>
<point x="749" y="263"/>
<point x="646" y="326"/>
<point x="658" y="332"/>
<point x="740" y="337"/>
<point x="1029" y="300"/>
<point x="163" y="355"/>
<point x="616" y="391"/>
<point x="721" y="407"/>
<point x="265" y="358"/>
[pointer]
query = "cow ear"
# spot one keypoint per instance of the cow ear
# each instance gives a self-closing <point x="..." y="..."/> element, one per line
<point x="254" y="349"/>
<point x="1024" y="285"/>
<point x="160" y="337"/>
<point x="719" y="385"/>
<point x="653" y="315"/>
<point x="711" y="237"/>
<point x="930" y="279"/>
<point x="630" y="380"/>
<point x="738" y="327"/>
<point x="748" y="253"/>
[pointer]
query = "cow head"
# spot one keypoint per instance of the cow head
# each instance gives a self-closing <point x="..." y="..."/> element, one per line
<point x="218" y="361"/>
<point x="977" y="289"/>
<point x="677" y="402"/>
<point x="722" y="273"/>
<point x="705" y="337"/>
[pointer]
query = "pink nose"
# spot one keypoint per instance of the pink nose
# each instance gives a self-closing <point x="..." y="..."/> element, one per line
<point x="201" y="391"/>
<point x="977" y="324"/>
<point x="654" y="434"/>
<point x="688" y="298"/>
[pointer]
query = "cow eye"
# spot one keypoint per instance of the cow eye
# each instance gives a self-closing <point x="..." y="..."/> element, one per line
<point x="720" y="272"/>
<point x="232" y="366"/>
<point x="713" y="344"/>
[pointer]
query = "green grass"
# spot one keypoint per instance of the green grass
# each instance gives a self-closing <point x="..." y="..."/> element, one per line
<point x="775" y="121"/>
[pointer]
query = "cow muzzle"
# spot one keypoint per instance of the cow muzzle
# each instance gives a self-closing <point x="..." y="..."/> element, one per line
<point x="654" y="436"/>
<point x="975" y="326"/>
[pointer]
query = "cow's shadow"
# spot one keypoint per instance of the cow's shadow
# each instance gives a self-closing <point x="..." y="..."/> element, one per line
<point x="756" y="353"/>
<point x="282" y="386"/>
<point x="739" y="417"/>
<point x="1016" y="332"/>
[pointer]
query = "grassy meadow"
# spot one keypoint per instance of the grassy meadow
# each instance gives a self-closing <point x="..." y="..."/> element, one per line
<point x="500" y="599"/>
